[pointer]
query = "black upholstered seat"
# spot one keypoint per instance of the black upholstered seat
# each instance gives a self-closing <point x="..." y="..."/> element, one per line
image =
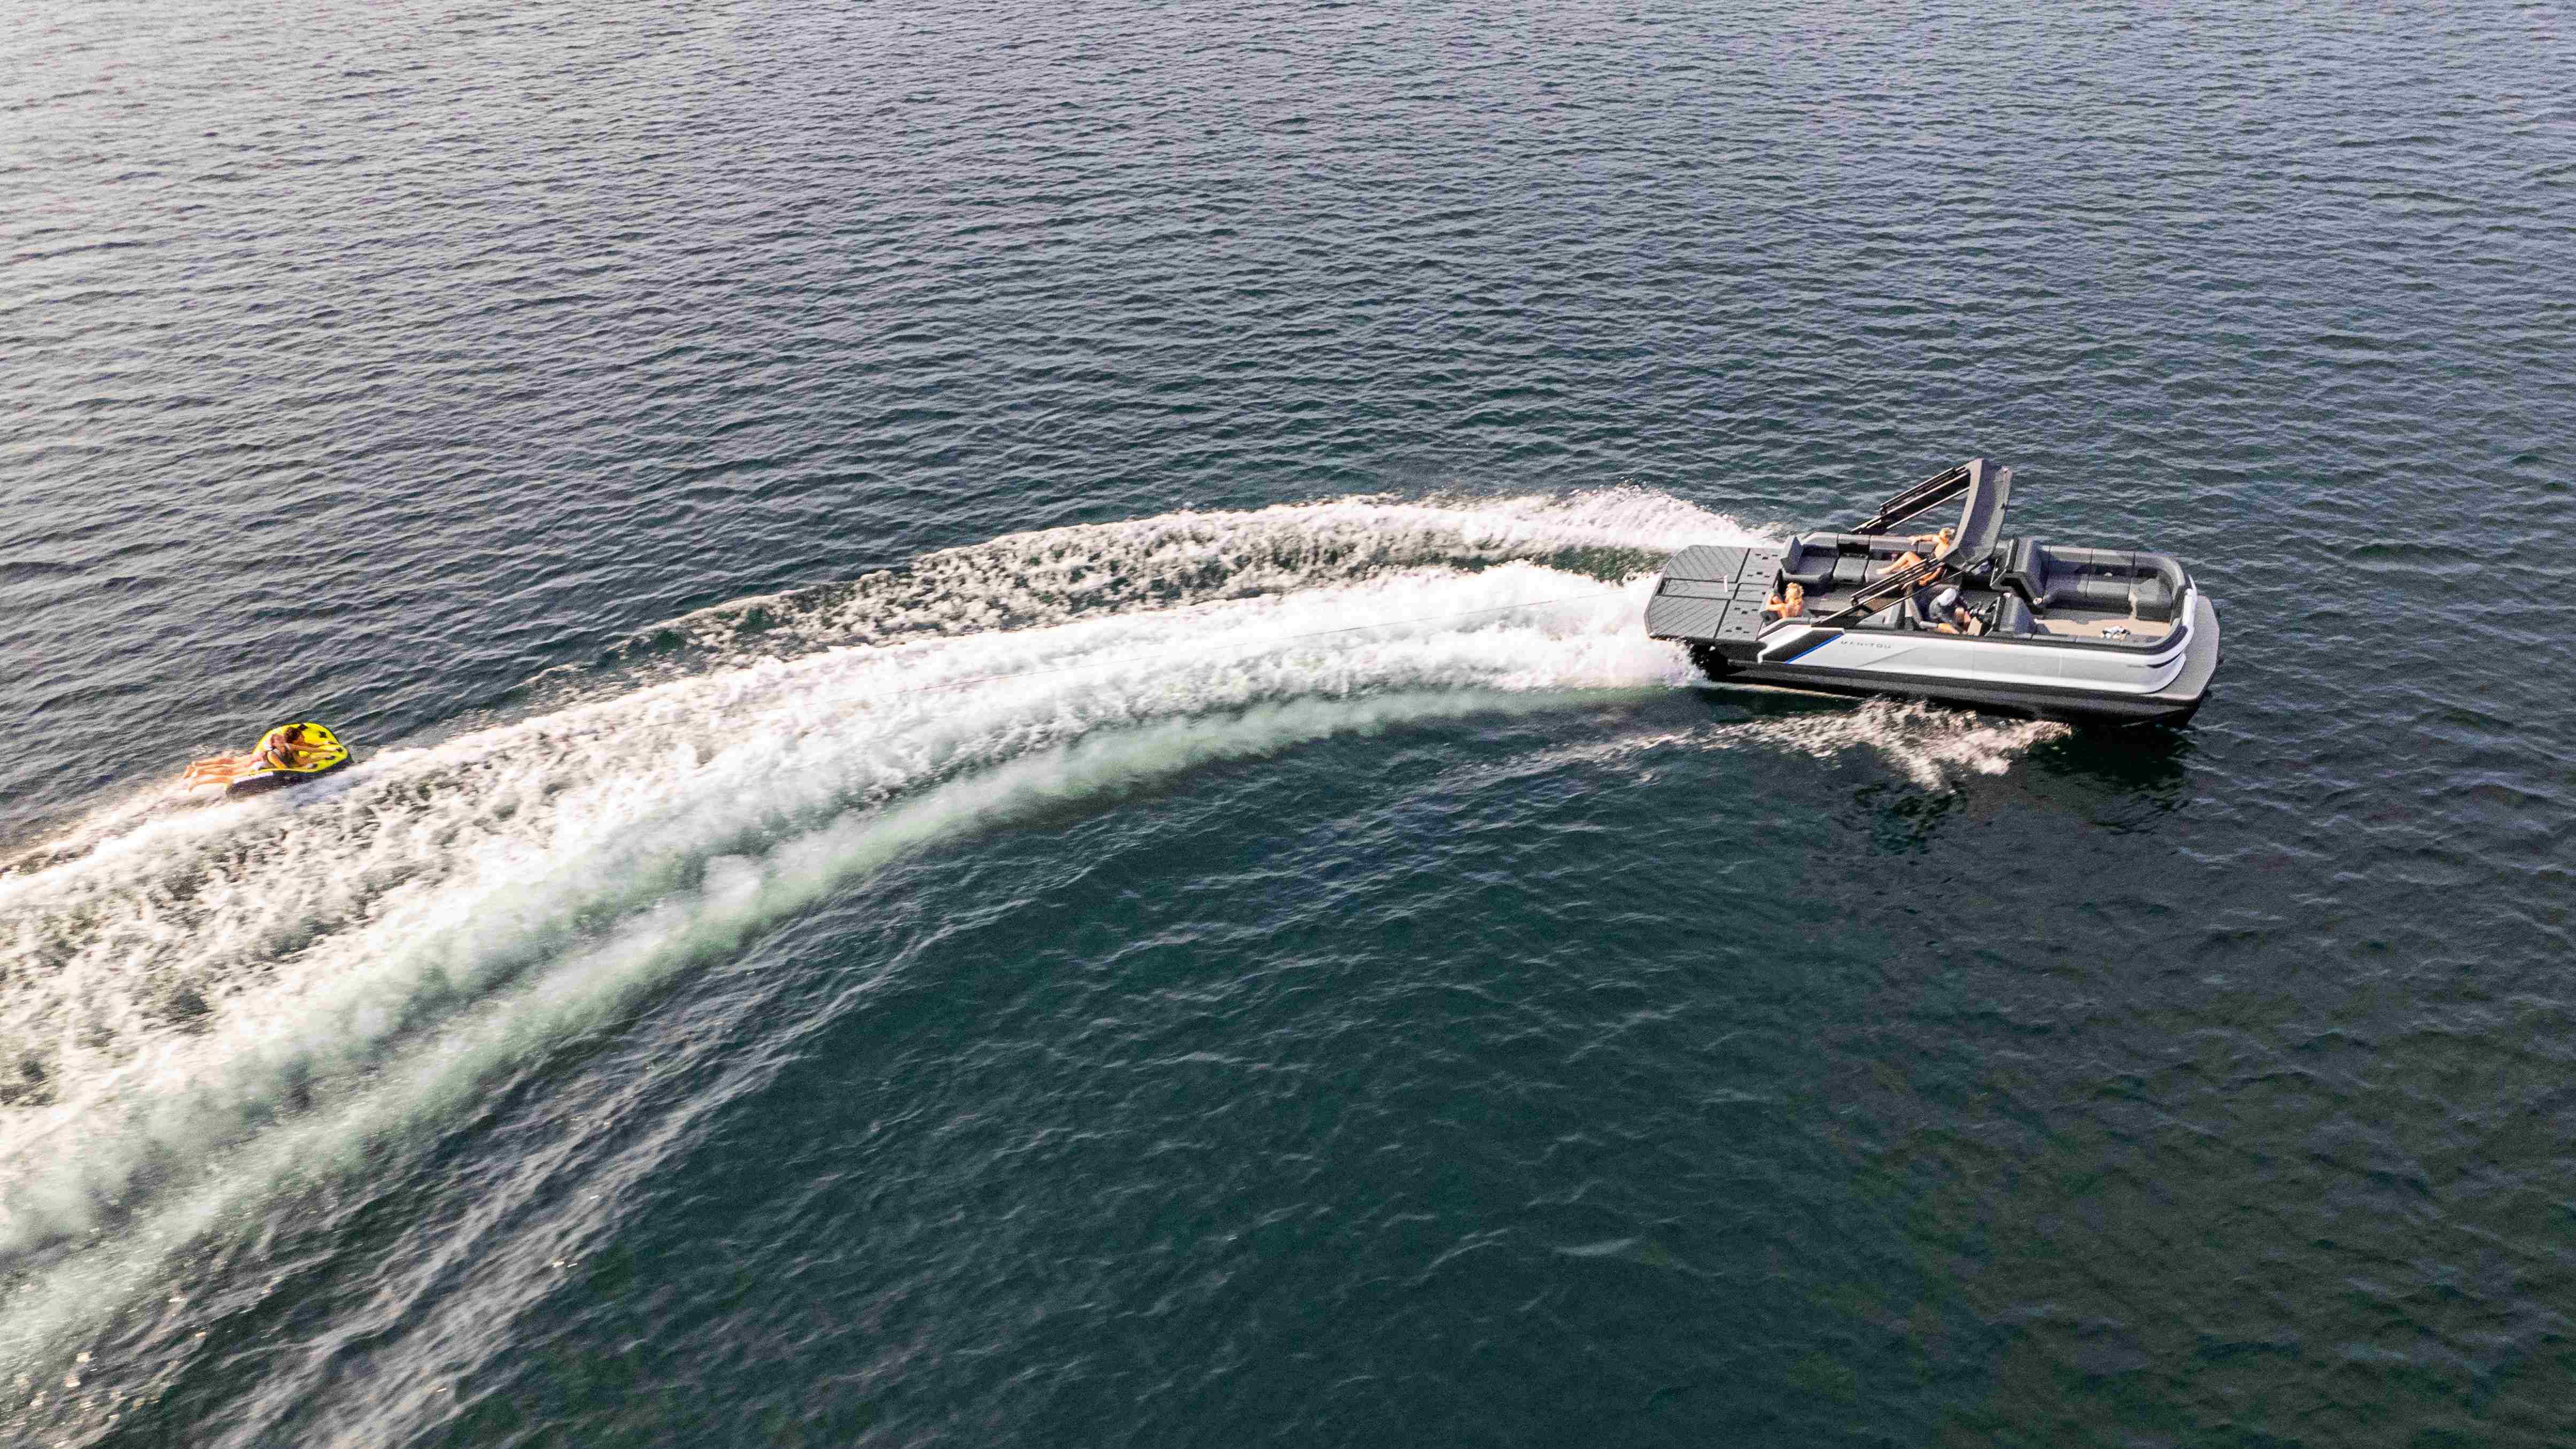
<point x="1810" y="563"/>
<point x="2150" y="598"/>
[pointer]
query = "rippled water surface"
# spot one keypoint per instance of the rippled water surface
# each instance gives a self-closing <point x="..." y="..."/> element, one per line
<point x="1010" y="794"/>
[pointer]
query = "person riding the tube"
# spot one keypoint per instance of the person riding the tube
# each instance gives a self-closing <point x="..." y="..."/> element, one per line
<point x="283" y="749"/>
<point x="1790" y="603"/>
<point x="284" y="755"/>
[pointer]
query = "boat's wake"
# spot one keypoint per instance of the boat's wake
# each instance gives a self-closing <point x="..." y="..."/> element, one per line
<point x="1929" y="745"/>
<point x="250" y="983"/>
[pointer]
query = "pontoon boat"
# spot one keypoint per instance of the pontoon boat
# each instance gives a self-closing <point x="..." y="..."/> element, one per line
<point x="1964" y="617"/>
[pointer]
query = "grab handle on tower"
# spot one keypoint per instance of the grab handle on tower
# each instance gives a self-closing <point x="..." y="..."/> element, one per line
<point x="1932" y="492"/>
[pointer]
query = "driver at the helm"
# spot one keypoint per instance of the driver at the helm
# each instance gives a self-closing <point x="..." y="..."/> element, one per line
<point x="1949" y="616"/>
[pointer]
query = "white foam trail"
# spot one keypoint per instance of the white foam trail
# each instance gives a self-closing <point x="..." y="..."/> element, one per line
<point x="1055" y="575"/>
<point x="175" y="985"/>
<point x="1928" y="745"/>
<point x="739" y="897"/>
<point x="1052" y="575"/>
<point x="258" y="981"/>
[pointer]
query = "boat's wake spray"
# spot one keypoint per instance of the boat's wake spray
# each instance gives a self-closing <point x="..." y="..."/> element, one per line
<point x="233" y="979"/>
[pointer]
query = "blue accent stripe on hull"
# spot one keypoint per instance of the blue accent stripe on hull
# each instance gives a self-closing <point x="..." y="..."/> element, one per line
<point x="1803" y="650"/>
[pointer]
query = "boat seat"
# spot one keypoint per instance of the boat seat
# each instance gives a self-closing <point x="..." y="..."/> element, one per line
<point x="2050" y="582"/>
<point x="2023" y="568"/>
<point x="2012" y="616"/>
<point x="2151" y="599"/>
<point x="2062" y="587"/>
<point x="2147" y="598"/>
<point x="1828" y="561"/>
<point x="1810" y="563"/>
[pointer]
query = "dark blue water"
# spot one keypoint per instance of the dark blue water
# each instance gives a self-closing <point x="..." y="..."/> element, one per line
<point x="1010" y="793"/>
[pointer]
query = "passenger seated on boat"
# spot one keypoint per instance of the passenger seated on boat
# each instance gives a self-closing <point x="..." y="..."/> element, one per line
<point x="1949" y="616"/>
<point x="1788" y="603"/>
<point x="1935" y="542"/>
<point x="1939" y="610"/>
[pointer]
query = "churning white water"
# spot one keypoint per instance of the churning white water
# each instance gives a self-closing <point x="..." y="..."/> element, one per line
<point x="195" y="1003"/>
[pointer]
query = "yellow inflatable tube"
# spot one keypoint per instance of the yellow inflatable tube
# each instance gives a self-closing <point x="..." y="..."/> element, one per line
<point x="287" y="755"/>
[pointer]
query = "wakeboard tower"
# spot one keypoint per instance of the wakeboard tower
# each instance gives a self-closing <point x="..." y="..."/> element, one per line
<point x="290" y="754"/>
<point x="1962" y="616"/>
